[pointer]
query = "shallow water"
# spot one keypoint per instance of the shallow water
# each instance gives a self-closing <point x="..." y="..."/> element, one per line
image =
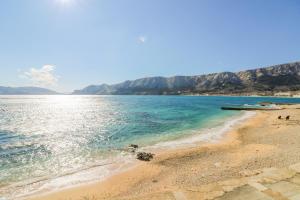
<point x="46" y="137"/>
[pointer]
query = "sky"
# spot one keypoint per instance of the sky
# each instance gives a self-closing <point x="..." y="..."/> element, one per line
<point x="69" y="44"/>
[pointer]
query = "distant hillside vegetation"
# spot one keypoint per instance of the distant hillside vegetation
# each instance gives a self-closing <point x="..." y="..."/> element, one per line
<point x="25" y="91"/>
<point x="268" y="80"/>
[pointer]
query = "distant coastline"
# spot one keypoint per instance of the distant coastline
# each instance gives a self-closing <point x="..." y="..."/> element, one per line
<point x="291" y="94"/>
<point x="26" y="91"/>
<point x="279" y="95"/>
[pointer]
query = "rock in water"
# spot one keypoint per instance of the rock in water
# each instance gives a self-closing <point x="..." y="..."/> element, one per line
<point x="144" y="156"/>
<point x="131" y="149"/>
<point x="133" y="146"/>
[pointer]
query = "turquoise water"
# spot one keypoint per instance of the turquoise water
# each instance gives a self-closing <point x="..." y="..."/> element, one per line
<point x="42" y="137"/>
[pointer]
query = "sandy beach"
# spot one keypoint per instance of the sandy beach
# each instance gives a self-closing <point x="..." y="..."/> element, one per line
<point x="263" y="141"/>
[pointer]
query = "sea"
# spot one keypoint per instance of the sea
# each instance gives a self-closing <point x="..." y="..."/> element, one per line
<point x="48" y="143"/>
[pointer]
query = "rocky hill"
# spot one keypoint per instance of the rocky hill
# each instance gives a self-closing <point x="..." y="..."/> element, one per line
<point x="25" y="91"/>
<point x="268" y="80"/>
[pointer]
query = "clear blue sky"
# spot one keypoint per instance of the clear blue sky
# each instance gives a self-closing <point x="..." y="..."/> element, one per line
<point x="69" y="44"/>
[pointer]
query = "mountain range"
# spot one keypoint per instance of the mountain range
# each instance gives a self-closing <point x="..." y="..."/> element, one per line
<point x="25" y="91"/>
<point x="263" y="81"/>
<point x="260" y="81"/>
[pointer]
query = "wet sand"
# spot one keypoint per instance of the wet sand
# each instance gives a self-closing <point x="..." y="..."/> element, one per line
<point x="261" y="142"/>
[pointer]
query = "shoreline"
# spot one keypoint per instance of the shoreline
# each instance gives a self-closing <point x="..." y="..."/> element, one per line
<point x="186" y="143"/>
<point x="206" y="135"/>
<point x="261" y="142"/>
<point x="203" y="136"/>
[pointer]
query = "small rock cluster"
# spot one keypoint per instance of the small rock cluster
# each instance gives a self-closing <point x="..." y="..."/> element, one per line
<point x="143" y="156"/>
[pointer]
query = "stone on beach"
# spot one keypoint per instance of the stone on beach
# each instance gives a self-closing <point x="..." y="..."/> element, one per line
<point x="131" y="150"/>
<point x="133" y="146"/>
<point x="247" y="173"/>
<point x="217" y="164"/>
<point x="144" y="156"/>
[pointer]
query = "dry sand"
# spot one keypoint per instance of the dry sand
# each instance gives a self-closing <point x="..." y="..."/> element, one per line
<point x="262" y="141"/>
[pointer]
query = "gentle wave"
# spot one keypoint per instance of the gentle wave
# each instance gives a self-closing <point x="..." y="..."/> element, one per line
<point x="208" y="135"/>
<point x="90" y="174"/>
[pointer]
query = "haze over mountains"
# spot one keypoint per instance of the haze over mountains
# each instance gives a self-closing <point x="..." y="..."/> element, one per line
<point x="264" y="81"/>
<point x="25" y="91"/>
